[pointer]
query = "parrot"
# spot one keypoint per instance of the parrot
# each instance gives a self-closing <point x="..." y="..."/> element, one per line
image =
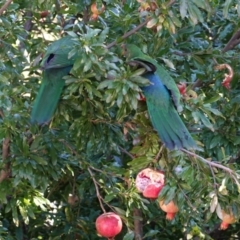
<point x="163" y="101"/>
<point x="55" y="64"/>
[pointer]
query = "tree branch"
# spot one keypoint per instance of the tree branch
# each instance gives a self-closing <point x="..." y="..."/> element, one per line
<point x="127" y="34"/>
<point x="158" y="154"/>
<point x="235" y="158"/>
<point x="214" y="164"/>
<point x="131" y="32"/>
<point x="138" y="228"/>
<point x="5" y="172"/>
<point x="233" y="42"/>
<point x="28" y="25"/>
<point x="97" y="190"/>
<point x="4" y="7"/>
<point x="126" y="152"/>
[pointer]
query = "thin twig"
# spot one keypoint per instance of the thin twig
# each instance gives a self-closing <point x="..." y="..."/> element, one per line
<point x="234" y="158"/>
<point x="214" y="179"/>
<point x="28" y="25"/>
<point x="158" y="154"/>
<point x="107" y="173"/>
<point x="214" y="164"/>
<point x="134" y="30"/>
<point x="5" y="172"/>
<point x="97" y="190"/>
<point x="68" y="146"/>
<point x="126" y="152"/>
<point x="187" y="198"/>
<point x="127" y="34"/>
<point x="4" y="7"/>
<point x="233" y="42"/>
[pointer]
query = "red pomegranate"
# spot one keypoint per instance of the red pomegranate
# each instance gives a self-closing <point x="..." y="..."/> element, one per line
<point x="44" y="14"/>
<point x="182" y="87"/>
<point x="171" y="209"/>
<point x="96" y="11"/>
<point x="108" y="224"/>
<point x="227" y="218"/>
<point x="150" y="182"/>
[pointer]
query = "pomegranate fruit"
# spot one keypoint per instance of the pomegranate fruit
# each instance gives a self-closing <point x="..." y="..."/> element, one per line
<point x="150" y="182"/>
<point x="96" y="11"/>
<point x="171" y="209"/>
<point x="182" y="88"/>
<point x="108" y="224"/>
<point x="44" y="14"/>
<point x="227" y="218"/>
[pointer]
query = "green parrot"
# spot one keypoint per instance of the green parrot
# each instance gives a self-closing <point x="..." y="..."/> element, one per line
<point x="163" y="101"/>
<point x="56" y="64"/>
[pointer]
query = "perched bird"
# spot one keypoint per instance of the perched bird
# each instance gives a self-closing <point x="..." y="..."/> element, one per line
<point x="163" y="101"/>
<point x="56" y="64"/>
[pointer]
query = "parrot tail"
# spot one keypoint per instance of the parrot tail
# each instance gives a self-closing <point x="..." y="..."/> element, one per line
<point x="170" y="128"/>
<point x="48" y="95"/>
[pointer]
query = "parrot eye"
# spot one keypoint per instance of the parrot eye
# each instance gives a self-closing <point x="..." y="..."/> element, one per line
<point x="51" y="56"/>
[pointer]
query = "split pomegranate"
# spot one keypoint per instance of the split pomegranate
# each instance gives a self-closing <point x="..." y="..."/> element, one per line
<point x="150" y="182"/>
<point x="96" y="11"/>
<point x="227" y="218"/>
<point x="171" y="209"/>
<point x="108" y="224"/>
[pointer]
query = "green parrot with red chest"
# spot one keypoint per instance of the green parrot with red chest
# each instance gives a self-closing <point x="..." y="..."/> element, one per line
<point x="163" y="101"/>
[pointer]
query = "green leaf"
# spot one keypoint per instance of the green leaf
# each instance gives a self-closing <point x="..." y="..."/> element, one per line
<point x="204" y="4"/>
<point x="129" y="236"/>
<point x="193" y="15"/>
<point x="139" y="162"/>
<point x="104" y="84"/>
<point x="120" y="211"/>
<point x="140" y="80"/>
<point x="151" y="233"/>
<point x="39" y="160"/>
<point x="72" y="34"/>
<point x="175" y="19"/>
<point x="226" y="7"/>
<point x="87" y="65"/>
<point x="215" y="141"/>
<point x="213" y="99"/>
<point x="204" y="119"/>
<point x="183" y="8"/>
<point x="152" y="23"/>
<point x="109" y="197"/>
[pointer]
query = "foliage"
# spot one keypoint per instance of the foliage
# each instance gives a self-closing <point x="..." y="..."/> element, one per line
<point x="101" y="136"/>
